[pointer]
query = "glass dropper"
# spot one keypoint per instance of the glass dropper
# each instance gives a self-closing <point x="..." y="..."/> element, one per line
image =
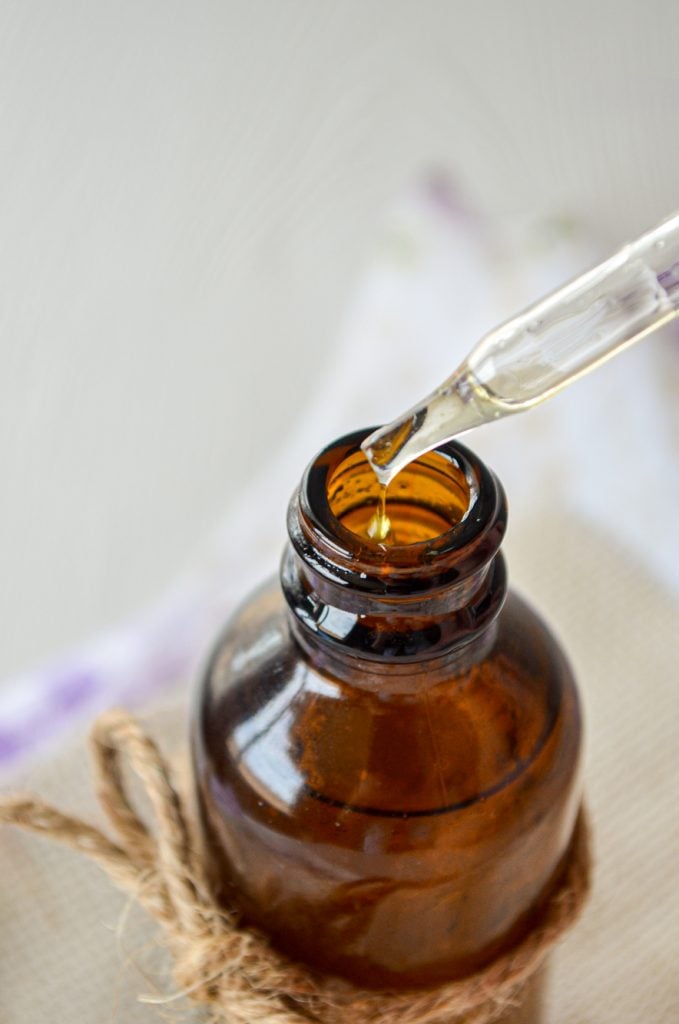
<point x="537" y="353"/>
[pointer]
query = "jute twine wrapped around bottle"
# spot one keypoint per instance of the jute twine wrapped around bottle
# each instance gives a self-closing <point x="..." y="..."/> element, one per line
<point x="231" y="970"/>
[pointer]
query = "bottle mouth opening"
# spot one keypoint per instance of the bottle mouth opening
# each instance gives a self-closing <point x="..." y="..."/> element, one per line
<point x="428" y="498"/>
<point x="446" y="509"/>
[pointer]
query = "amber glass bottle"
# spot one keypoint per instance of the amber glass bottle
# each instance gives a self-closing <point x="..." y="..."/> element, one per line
<point x="386" y="746"/>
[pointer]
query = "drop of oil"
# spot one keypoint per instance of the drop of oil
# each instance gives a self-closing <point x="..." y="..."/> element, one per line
<point x="379" y="526"/>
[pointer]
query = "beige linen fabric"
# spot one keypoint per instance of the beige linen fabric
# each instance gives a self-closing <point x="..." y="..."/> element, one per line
<point x="71" y="949"/>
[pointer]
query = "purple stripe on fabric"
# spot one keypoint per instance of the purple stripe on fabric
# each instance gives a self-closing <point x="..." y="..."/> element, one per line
<point x="11" y="744"/>
<point x="64" y="695"/>
<point x="72" y="690"/>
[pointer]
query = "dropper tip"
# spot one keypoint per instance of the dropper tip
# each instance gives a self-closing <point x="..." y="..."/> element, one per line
<point x="454" y="408"/>
<point x="383" y="446"/>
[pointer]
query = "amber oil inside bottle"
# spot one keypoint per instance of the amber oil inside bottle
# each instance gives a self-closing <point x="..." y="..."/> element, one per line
<point x="425" y="500"/>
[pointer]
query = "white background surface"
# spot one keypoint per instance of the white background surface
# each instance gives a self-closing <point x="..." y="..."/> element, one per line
<point x="187" y="191"/>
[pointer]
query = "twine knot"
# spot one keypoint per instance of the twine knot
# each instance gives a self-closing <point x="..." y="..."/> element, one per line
<point x="233" y="970"/>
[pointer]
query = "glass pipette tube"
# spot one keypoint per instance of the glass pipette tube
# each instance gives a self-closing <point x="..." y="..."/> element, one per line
<point x="548" y="346"/>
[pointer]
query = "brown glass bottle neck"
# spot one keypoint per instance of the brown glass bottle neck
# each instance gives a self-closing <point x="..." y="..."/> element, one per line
<point x="397" y="641"/>
<point x="394" y="605"/>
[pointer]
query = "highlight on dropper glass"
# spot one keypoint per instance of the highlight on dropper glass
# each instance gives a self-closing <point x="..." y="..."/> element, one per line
<point x="427" y="498"/>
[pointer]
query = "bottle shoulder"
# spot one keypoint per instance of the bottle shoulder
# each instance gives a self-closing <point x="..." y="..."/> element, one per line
<point x="526" y="640"/>
<point x="299" y="728"/>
